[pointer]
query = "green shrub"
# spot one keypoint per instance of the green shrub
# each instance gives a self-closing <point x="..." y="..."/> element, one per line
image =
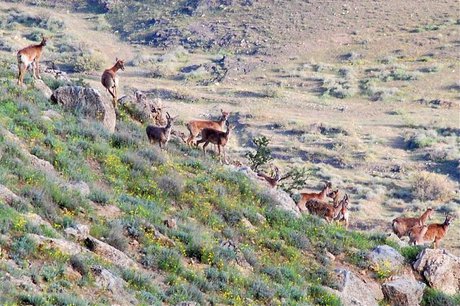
<point x="169" y="260"/>
<point x="411" y="252"/>
<point x="261" y="291"/>
<point x="172" y="184"/>
<point x="23" y="247"/>
<point x="262" y="155"/>
<point x="99" y="196"/>
<point x="433" y="297"/>
<point x="179" y="293"/>
<point x="319" y="296"/>
<point x="116" y="237"/>
<point x="87" y="62"/>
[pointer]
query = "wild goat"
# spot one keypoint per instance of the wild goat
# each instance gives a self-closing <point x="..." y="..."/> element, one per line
<point x="30" y="56"/>
<point x="343" y="214"/>
<point x="109" y="80"/>
<point x="304" y="197"/>
<point x="272" y="181"/>
<point x="325" y="210"/>
<point x="430" y="233"/>
<point x="196" y="126"/>
<point x="216" y="137"/>
<point x="160" y="134"/>
<point x="401" y="226"/>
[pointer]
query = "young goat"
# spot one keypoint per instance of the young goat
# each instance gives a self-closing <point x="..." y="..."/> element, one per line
<point x="216" y="137"/>
<point x="160" y="134"/>
<point x="343" y="214"/>
<point x="431" y="233"/>
<point x="109" y="80"/>
<point x="325" y="210"/>
<point x="304" y="197"/>
<point x="30" y="56"/>
<point x="196" y="126"/>
<point x="401" y="226"/>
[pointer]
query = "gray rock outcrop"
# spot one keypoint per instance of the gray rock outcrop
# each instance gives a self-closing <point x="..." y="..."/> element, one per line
<point x="403" y="291"/>
<point x="440" y="269"/>
<point x="352" y="290"/>
<point x="384" y="255"/>
<point x="86" y="102"/>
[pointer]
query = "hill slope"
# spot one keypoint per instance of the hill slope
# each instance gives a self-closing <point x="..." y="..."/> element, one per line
<point x="378" y="86"/>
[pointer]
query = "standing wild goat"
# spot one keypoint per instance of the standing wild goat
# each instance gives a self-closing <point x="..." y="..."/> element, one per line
<point x="304" y="197"/>
<point x="109" y="80"/>
<point x="160" y="134"/>
<point x="30" y="56"/>
<point x="401" y="226"/>
<point x="196" y="126"/>
<point x="216" y="137"/>
<point x="430" y="233"/>
<point x="325" y="210"/>
<point x="343" y="214"/>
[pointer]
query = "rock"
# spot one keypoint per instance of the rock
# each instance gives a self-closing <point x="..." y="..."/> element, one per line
<point x="66" y="247"/>
<point x="384" y="255"/>
<point x="143" y="109"/>
<point x="352" y="290"/>
<point x="109" y="253"/>
<point x="440" y="268"/>
<point x="80" y="187"/>
<point x="248" y="225"/>
<point x="280" y="198"/>
<point x="107" y="281"/>
<point x="43" y="88"/>
<point x="403" y="291"/>
<point x="187" y="303"/>
<point x="51" y="115"/>
<point x="87" y="102"/>
<point x="79" y="232"/>
<point x="23" y="282"/>
<point x="8" y="196"/>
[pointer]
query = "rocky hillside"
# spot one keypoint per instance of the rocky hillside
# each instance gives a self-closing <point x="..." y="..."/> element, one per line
<point x="92" y="214"/>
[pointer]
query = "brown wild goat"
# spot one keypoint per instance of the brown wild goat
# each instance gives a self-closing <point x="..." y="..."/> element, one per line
<point x="216" y="137"/>
<point x="304" y="197"/>
<point x="401" y="226"/>
<point x="343" y="214"/>
<point x="160" y="134"/>
<point x="196" y="126"/>
<point x="431" y="233"/>
<point x="30" y="56"/>
<point x="109" y="80"/>
<point x="272" y="181"/>
<point x="325" y="210"/>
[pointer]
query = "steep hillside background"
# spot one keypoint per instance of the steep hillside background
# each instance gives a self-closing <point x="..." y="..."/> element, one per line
<point x="365" y="95"/>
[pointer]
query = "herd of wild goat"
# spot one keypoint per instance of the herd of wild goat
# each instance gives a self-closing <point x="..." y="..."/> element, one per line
<point x="212" y="132"/>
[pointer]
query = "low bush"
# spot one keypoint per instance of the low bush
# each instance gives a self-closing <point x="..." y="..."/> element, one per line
<point x="427" y="186"/>
<point x="433" y="297"/>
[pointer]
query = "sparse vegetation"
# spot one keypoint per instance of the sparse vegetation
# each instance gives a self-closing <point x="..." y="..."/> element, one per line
<point x="428" y="186"/>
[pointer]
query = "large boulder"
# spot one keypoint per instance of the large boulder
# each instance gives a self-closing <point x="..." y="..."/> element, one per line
<point x="387" y="257"/>
<point x="440" y="269"/>
<point x="43" y="88"/>
<point x="143" y="109"/>
<point x="403" y="291"/>
<point x="353" y="290"/>
<point x="107" y="281"/>
<point x="87" y="102"/>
